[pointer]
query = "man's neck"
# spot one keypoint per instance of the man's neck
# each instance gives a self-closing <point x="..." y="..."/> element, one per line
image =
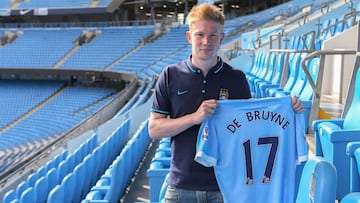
<point x="204" y="65"/>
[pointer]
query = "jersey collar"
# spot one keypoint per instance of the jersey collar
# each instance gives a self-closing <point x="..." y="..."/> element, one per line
<point x="216" y="69"/>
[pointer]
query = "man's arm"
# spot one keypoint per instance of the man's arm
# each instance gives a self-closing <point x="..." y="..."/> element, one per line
<point x="161" y="126"/>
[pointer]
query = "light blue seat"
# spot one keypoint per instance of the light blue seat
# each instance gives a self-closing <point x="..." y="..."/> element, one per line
<point x="261" y="67"/>
<point x="275" y="79"/>
<point x="294" y="78"/>
<point x="353" y="150"/>
<point x="318" y="182"/>
<point x="51" y="178"/>
<point x="9" y="196"/>
<point x="332" y="136"/>
<point x="293" y="69"/>
<point x="163" y="190"/>
<point x="69" y="183"/>
<point x="256" y="66"/>
<point x="353" y="197"/>
<point x="41" y="190"/>
<point x="265" y="75"/>
<point x="28" y="196"/>
<point x="21" y="188"/>
<point x="298" y="86"/>
<point x="79" y="172"/>
<point x="109" y="186"/>
<point x="56" y="195"/>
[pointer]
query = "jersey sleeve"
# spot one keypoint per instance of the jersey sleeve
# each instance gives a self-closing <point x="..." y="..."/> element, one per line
<point x="206" y="146"/>
<point x="161" y="103"/>
<point x="301" y="143"/>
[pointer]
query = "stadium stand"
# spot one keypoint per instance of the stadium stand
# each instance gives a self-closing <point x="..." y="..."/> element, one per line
<point x="278" y="44"/>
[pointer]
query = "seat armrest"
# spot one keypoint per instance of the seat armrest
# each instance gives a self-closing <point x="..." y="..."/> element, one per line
<point x="351" y="147"/>
<point x="338" y="122"/>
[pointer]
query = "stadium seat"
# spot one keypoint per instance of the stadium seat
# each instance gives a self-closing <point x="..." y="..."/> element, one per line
<point x="266" y="75"/>
<point x="317" y="182"/>
<point x="261" y="69"/>
<point x="298" y="86"/>
<point x="353" y="197"/>
<point x="293" y="69"/>
<point x="69" y="183"/>
<point x="62" y="170"/>
<point x="275" y="79"/>
<point x="294" y="83"/>
<point x="28" y="196"/>
<point x="31" y="179"/>
<point x="109" y="191"/>
<point x="79" y="172"/>
<point x="163" y="190"/>
<point x="56" y="195"/>
<point x="21" y="188"/>
<point x="41" y="190"/>
<point x="9" y="196"/>
<point x="51" y="178"/>
<point x="332" y="136"/>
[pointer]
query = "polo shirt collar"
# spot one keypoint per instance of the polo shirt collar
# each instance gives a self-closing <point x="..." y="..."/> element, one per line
<point x="216" y="69"/>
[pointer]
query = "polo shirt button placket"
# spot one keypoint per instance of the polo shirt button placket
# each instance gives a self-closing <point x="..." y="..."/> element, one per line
<point x="203" y="90"/>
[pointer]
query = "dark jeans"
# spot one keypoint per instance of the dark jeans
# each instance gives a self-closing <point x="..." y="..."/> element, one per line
<point x="176" y="195"/>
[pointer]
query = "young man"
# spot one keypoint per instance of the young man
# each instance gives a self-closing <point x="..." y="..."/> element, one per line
<point x="185" y="95"/>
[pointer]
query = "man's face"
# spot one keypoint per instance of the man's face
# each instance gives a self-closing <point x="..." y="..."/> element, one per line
<point x="205" y="38"/>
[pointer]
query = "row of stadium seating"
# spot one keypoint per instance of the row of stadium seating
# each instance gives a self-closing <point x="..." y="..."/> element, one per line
<point x="72" y="170"/>
<point x="36" y="126"/>
<point x="33" y="4"/>
<point x="150" y="64"/>
<point x="45" y="47"/>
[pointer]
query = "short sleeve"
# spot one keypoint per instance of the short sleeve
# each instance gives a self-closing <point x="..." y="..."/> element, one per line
<point x="206" y="146"/>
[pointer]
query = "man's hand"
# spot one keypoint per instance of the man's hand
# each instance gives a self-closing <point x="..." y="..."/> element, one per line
<point x="297" y="104"/>
<point x="206" y="109"/>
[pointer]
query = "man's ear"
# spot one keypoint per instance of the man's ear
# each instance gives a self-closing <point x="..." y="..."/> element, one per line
<point x="188" y="36"/>
<point x="222" y="37"/>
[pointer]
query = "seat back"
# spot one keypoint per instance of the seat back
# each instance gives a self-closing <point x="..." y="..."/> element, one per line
<point x="300" y="80"/>
<point x="41" y="190"/>
<point x="28" y="196"/>
<point x="56" y="195"/>
<point x="117" y="180"/>
<point x="294" y="63"/>
<point x="351" y="120"/>
<point x="318" y="182"/>
<point x="69" y="183"/>
<point x="278" y="69"/>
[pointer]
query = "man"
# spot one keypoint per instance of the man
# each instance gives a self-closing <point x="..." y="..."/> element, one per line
<point x="185" y="95"/>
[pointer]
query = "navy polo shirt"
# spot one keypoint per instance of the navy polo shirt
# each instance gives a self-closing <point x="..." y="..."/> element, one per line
<point x="179" y="91"/>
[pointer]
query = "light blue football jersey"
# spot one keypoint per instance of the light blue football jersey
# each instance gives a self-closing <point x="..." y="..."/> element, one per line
<point x="254" y="146"/>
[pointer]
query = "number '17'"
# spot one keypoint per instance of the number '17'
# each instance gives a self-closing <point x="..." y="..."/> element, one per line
<point x="274" y="142"/>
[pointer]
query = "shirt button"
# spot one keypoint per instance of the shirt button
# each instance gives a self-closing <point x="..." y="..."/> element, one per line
<point x="204" y="81"/>
<point x="199" y="71"/>
<point x="203" y="91"/>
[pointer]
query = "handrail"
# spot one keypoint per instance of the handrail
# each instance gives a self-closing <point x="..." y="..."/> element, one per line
<point x="314" y="110"/>
<point x="321" y="53"/>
